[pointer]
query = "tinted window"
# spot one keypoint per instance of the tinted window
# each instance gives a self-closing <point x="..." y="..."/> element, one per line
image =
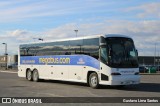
<point x="28" y="50"/>
<point x="122" y="53"/>
<point x="84" y="46"/>
<point x="54" y="48"/>
<point x="91" y="47"/>
<point x="76" y="46"/>
<point x="103" y="55"/>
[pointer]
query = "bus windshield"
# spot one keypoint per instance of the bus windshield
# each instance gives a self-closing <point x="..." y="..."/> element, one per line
<point x="121" y="53"/>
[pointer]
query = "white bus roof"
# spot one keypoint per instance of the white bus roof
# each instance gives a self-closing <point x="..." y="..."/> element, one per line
<point x="84" y="37"/>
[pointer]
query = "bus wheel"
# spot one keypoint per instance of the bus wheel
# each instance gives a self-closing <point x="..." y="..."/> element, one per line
<point x="29" y="75"/>
<point x="35" y="76"/>
<point x="93" y="80"/>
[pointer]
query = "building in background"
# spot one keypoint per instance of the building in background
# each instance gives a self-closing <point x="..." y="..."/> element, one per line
<point x="2" y="61"/>
<point x="11" y="61"/>
<point x="149" y="61"/>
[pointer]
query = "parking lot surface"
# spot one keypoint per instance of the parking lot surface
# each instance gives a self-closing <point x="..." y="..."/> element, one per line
<point x="13" y="86"/>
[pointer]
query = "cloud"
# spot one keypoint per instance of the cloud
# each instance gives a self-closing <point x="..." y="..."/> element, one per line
<point x="14" y="38"/>
<point x="144" y="33"/>
<point x="18" y="32"/>
<point x="61" y="31"/>
<point x="15" y="11"/>
<point x="21" y="36"/>
<point x="92" y="19"/>
<point x="147" y="10"/>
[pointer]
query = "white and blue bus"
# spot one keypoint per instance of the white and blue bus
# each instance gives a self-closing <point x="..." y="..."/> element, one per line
<point x="97" y="60"/>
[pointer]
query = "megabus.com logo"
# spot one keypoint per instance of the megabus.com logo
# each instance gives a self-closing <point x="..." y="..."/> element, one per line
<point x="52" y="60"/>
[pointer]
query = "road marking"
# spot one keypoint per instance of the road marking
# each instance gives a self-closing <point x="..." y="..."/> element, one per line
<point x="8" y="72"/>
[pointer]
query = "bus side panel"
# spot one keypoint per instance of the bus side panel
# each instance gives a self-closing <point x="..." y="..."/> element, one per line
<point x="75" y="72"/>
<point x="86" y="70"/>
<point x="45" y="71"/>
<point x="53" y="72"/>
<point x="22" y="70"/>
<point x="60" y="72"/>
<point x="105" y="74"/>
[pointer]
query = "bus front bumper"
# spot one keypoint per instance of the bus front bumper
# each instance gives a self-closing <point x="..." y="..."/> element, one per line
<point x="122" y="80"/>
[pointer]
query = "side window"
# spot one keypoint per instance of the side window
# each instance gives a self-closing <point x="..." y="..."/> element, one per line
<point x="102" y="40"/>
<point x="54" y="48"/>
<point x="28" y="50"/>
<point x="91" y="47"/>
<point x="76" y="46"/>
<point x="104" y="57"/>
<point x="51" y="48"/>
<point x="41" y="49"/>
<point x="23" y="51"/>
<point x="61" y="48"/>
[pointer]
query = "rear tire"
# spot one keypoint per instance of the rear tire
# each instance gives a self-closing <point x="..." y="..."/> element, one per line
<point x="35" y="76"/>
<point x="29" y="75"/>
<point x="93" y="80"/>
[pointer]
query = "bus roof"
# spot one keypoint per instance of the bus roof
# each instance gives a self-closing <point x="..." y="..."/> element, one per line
<point x="84" y="37"/>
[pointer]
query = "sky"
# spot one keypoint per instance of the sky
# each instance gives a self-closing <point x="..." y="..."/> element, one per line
<point x="23" y="20"/>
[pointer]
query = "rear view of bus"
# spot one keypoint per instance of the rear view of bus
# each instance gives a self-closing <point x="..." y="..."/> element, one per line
<point x="119" y="61"/>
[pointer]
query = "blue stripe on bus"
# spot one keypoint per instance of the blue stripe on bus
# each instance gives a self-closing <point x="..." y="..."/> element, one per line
<point x="81" y="60"/>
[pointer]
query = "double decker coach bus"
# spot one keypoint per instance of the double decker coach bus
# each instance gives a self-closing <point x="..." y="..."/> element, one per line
<point x="97" y="60"/>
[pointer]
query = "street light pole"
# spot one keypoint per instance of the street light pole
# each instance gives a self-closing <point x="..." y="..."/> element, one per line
<point x="6" y="55"/>
<point x="158" y="61"/>
<point x="76" y="32"/>
<point x="155" y="55"/>
<point x="40" y="39"/>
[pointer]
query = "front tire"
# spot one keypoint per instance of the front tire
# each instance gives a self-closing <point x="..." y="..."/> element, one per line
<point x="29" y="75"/>
<point x="35" y="76"/>
<point x="93" y="80"/>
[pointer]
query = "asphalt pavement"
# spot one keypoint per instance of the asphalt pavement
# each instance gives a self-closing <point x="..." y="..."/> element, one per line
<point x="13" y="86"/>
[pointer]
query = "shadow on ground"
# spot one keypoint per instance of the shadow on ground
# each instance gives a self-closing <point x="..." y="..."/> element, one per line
<point x="145" y="87"/>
